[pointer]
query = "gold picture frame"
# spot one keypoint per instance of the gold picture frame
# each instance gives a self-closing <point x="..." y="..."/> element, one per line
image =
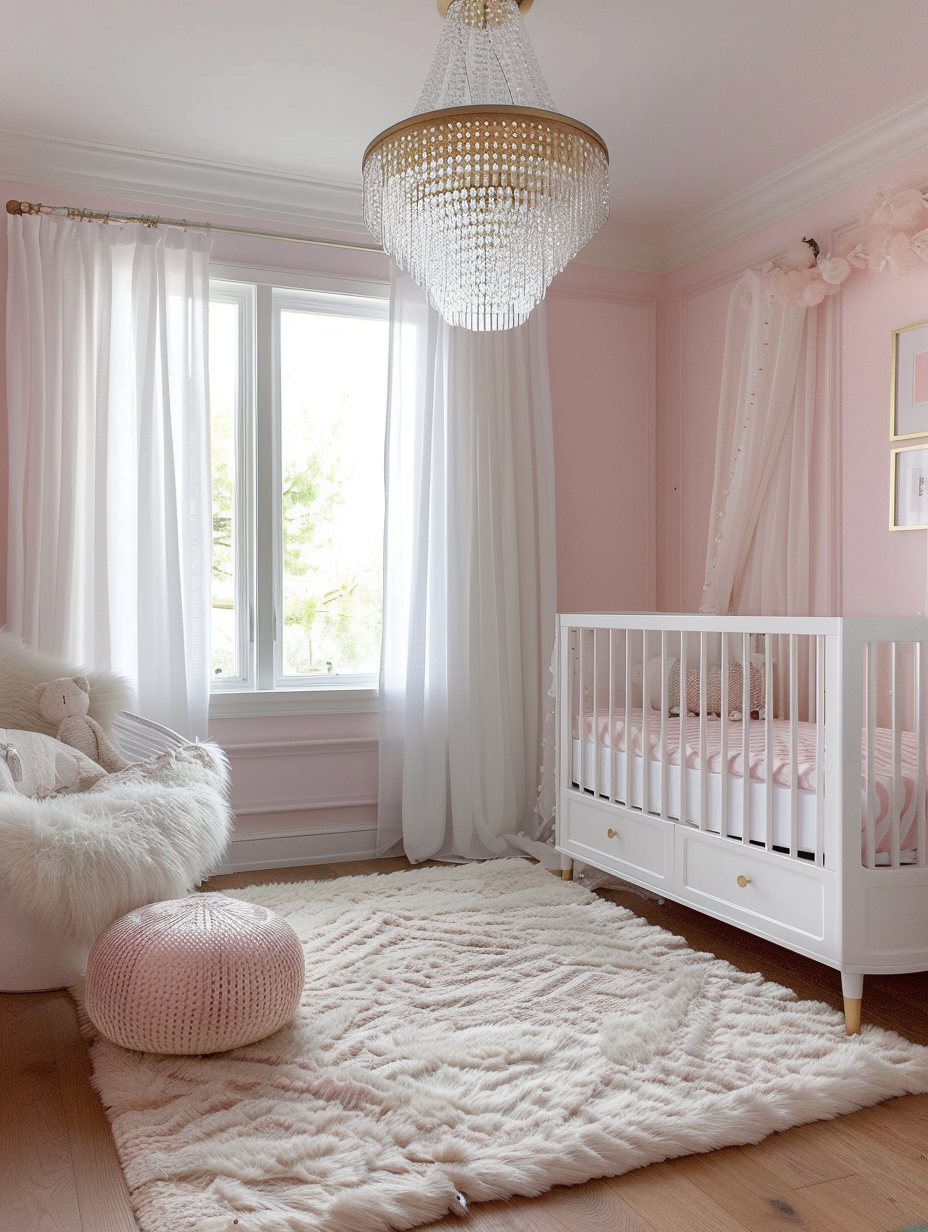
<point x="908" y="487"/>
<point x="909" y="385"/>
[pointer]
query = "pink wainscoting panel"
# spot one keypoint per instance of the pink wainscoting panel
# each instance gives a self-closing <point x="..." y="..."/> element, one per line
<point x="288" y="769"/>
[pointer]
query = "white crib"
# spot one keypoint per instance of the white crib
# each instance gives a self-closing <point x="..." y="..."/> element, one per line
<point x="822" y="845"/>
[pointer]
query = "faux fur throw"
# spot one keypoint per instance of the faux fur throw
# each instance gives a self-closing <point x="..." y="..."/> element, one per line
<point x="142" y="835"/>
<point x="22" y="668"/>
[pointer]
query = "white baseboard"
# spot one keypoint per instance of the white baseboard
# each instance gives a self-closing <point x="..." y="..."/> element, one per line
<point x="287" y="850"/>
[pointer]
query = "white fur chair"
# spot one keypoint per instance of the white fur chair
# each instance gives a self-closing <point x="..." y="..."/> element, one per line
<point x="71" y="864"/>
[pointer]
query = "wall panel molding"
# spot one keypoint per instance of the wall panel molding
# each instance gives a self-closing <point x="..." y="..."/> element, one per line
<point x="305" y="806"/>
<point x="291" y="848"/>
<point x="302" y="748"/>
<point x="312" y="775"/>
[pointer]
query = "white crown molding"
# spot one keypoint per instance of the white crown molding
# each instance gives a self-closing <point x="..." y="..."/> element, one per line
<point x="889" y="138"/>
<point x="63" y="165"/>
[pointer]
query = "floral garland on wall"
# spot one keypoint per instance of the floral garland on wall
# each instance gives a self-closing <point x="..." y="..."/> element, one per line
<point x="893" y="235"/>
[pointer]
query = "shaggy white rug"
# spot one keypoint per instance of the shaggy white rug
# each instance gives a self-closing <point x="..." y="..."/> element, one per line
<point x="485" y="1030"/>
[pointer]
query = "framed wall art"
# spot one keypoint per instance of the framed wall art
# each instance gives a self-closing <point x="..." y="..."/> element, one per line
<point x="909" y="394"/>
<point x="908" y="486"/>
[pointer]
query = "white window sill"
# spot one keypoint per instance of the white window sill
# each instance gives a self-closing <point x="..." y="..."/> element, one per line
<point x="268" y="703"/>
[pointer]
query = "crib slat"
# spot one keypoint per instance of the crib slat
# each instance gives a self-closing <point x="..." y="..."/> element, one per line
<point x="665" y="706"/>
<point x="703" y="751"/>
<point x="628" y="720"/>
<point x="685" y="813"/>
<point x="747" y="803"/>
<point x="897" y="799"/>
<point x="597" y="706"/>
<point x="569" y="650"/>
<point x="921" y="831"/>
<point x="820" y="751"/>
<point x="769" y="708"/>
<point x="581" y="690"/>
<point x="645" y="726"/>
<point x="768" y="748"/>
<point x="870" y="740"/>
<point x="610" y="750"/>
<point x="725" y="722"/>
<point x="793" y="745"/>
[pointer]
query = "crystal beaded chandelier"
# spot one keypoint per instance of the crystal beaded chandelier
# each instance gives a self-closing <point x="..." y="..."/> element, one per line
<point x="485" y="192"/>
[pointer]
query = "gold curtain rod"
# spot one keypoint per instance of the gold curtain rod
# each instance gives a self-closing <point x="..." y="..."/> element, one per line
<point x="154" y="220"/>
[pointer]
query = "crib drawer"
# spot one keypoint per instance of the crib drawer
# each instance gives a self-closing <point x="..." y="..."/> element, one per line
<point x="637" y="847"/>
<point x="744" y="886"/>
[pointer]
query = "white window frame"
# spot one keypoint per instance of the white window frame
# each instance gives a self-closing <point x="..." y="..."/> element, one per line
<point x="261" y="689"/>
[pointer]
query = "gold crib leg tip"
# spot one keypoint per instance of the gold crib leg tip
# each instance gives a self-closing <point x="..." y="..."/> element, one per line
<point x="852" y="1015"/>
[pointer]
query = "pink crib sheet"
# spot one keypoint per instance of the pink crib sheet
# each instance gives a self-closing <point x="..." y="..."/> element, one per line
<point x="780" y="761"/>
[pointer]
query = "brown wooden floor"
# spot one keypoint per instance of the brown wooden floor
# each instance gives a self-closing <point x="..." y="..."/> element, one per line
<point x="867" y="1172"/>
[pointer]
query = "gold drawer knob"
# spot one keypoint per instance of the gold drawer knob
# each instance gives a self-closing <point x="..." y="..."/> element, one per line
<point x="744" y="881"/>
<point x="612" y="834"/>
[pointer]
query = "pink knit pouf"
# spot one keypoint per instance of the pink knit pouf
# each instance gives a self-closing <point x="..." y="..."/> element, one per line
<point x="194" y="975"/>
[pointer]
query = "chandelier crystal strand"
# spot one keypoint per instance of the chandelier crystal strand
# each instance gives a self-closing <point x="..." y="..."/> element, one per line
<point x="486" y="192"/>
<point x="484" y="56"/>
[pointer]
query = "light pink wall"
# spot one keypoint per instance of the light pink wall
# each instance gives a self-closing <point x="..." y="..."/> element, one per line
<point x="862" y="567"/>
<point x="882" y="571"/>
<point x="603" y="359"/>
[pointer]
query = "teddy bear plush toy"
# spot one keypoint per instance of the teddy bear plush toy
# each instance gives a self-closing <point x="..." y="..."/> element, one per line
<point x="66" y="701"/>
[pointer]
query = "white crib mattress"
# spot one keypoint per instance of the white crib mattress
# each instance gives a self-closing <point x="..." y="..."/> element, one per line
<point x="603" y="758"/>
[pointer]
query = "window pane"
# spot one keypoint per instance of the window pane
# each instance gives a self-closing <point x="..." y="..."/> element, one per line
<point x="223" y="389"/>
<point x="332" y="383"/>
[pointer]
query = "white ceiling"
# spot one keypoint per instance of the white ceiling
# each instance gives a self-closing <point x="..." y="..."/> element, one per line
<point x="696" y="99"/>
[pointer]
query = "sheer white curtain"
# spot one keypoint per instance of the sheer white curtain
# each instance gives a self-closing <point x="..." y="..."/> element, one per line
<point x="107" y="393"/>
<point x="469" y="586"/>
<point x="758" y="560"/>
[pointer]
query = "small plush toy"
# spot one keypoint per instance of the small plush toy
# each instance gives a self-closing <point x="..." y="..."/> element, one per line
<point x="67" y="701"/>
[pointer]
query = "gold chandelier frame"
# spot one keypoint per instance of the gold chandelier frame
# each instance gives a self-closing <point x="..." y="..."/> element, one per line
<point x="560" y="125"/>
<point x="445" y="5"/>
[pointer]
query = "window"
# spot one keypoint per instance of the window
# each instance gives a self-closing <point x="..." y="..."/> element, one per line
<point x="298" y="381"/>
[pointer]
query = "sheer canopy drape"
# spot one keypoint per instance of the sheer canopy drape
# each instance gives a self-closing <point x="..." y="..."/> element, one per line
<point x="469" y="586"/>
<point x="759" y="553"/>
<point x="109" y="519"/>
